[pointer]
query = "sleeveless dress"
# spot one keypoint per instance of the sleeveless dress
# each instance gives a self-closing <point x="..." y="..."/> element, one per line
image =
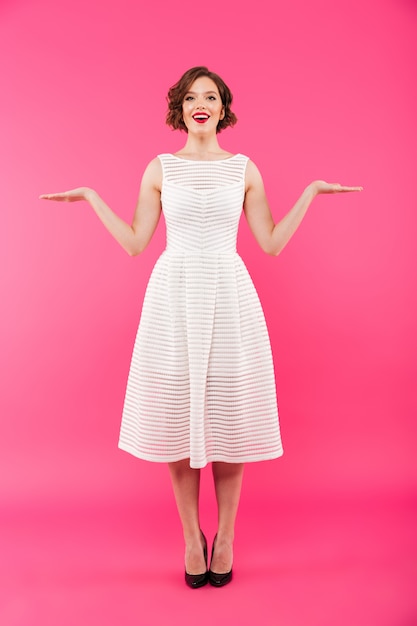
<point x="201" y="383"/>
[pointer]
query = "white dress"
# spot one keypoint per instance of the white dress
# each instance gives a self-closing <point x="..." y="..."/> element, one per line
<point x="201" y="382"/>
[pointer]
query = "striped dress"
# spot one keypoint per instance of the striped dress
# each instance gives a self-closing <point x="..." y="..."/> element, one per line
<point x="201" y="384"/>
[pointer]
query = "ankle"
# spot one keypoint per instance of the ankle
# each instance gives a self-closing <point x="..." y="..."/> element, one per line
<point x="224" y="537"/>
<point x="194" y="538"/>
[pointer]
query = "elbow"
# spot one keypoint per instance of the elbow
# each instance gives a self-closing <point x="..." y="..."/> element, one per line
<point x="132" y="252"/>
<point x="135" y="250"/>
<point x="277" y="251"/>
<point x="130" y="249"/>
<point x="272" y="244"/>
<point x="272" y="250"/>
<point x="275" y="247"/>
<point x="136" y="245"/>
<point x="132" y="246"/>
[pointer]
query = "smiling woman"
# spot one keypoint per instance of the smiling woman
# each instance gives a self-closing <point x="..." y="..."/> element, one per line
<point x="201" y="386"/>
<point x="179" y="93"/>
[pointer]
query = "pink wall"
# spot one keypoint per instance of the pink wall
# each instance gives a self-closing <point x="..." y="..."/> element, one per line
<point x="323" y="89"/>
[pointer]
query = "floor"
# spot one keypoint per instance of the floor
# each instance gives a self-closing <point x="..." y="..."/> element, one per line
<point x="336" y="562"/>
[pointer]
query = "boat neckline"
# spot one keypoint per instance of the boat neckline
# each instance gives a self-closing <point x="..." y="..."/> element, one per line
<point x="203" y="160"/>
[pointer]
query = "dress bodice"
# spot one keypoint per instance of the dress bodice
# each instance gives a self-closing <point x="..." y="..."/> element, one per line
<point x="202" y="203"/>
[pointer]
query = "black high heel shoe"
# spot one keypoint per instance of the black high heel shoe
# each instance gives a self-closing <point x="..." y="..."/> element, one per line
<point x="198" y="580"/>
<point x="215" y="579"/>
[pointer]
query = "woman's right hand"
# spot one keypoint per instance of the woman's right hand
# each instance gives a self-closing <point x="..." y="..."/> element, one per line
<point x="133" y="238"/>
<point x="73" y="195"/>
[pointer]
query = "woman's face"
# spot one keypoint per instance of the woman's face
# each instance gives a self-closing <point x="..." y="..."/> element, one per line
<point x="202" y="107"/>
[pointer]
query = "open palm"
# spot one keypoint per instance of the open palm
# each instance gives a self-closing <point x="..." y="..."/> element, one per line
<point x="73" y="195"/>
<point x="320" y="186"/>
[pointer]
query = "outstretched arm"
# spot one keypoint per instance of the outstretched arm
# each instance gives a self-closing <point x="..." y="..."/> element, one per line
<point x="133" y="238"/>
<point x="274" y="237"/>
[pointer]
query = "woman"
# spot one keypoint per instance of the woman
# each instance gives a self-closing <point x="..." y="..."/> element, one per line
<point x="201" y="384"/>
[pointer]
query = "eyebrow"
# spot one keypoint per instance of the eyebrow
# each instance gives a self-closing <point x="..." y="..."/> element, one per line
<point x="204" y="92"/>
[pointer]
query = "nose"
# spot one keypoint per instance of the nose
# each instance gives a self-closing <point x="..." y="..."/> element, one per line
<point x="200" y="104"/>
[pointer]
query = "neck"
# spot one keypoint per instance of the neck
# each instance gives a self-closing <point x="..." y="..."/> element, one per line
<point x="201" y="146"/>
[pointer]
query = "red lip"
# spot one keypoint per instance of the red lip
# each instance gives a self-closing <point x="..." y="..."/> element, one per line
<point x="200" y="117"/>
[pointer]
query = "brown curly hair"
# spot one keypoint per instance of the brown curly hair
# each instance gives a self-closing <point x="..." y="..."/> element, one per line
<point x="177" y="93"/>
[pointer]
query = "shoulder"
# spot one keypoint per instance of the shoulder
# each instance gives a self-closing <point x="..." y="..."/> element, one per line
<point x="152" y="175"/>
<point x="154" y="166"/>
<point x="253" y="177"/>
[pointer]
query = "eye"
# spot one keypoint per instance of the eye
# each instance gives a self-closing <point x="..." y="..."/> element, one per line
<point x="189" y="98"/>
<point x="212" y="98"/>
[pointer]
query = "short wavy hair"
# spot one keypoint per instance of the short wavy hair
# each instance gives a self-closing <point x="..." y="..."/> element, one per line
<point x="177" y="92"/>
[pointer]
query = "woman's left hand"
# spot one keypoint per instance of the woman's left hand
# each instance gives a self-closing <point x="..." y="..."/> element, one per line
<point x="320" y="186"/>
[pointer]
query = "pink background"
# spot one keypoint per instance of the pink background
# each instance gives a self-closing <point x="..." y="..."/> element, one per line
<point x="323" y="89"/>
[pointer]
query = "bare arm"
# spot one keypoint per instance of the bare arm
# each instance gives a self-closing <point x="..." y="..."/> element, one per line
<point x="274" y="237"/>
<point x="133" y="238"/>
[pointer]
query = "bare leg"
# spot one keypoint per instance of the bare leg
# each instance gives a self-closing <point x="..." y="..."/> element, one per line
<point x="228" y="483"/>
<point x="186" y="485"/>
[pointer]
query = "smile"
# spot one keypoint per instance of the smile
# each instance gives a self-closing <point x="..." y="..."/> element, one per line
<point x="201" y="118"/>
